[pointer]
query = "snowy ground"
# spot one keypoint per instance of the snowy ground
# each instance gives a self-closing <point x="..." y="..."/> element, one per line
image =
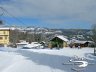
<point x="43" y="60"/>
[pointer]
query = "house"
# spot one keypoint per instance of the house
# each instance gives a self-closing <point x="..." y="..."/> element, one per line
<point x="4" y="36"/>
<point x="81" y="43"/>
<point x="77" y="43"/>
<point x="21" y="44"/>
<point x="58" y="42"/>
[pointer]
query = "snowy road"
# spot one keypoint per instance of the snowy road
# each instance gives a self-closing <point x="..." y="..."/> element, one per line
<point x="42" y="60"/>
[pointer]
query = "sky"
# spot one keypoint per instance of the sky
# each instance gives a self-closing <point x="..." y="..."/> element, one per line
<point x="65" y="14"/>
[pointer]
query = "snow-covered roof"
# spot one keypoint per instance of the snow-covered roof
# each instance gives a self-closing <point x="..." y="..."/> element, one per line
<point x="33" y="44"/>
<point x="4" y="28"/>
<point x="62" y="38"/>
<point x="82" y="42"/>
<point x="24" y="42"/>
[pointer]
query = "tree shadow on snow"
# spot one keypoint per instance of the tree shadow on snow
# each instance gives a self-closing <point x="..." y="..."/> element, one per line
<point x="53" y="61"/>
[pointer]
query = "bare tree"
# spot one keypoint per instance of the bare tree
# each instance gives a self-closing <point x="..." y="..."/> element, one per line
<point x="93" y="36"/>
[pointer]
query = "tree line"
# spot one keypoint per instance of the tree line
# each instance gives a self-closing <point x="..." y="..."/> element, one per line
<point x="16" y="36"/>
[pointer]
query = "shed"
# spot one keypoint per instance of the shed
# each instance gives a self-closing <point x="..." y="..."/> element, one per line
<point x="58" y="42"/>
<point x="77" y="43"/>
<point x="22" y="44"/>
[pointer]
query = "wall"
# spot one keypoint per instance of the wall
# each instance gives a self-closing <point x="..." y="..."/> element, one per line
<point x="4" y="37"/>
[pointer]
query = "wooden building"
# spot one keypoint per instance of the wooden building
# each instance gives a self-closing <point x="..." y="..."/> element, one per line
<point x="78" y="43"/>
<point x="58" y="42"/>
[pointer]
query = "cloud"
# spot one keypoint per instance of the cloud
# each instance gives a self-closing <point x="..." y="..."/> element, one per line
<point x="52" y="10"/>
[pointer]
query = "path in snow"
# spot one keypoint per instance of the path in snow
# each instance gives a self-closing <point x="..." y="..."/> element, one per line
<point x="42" y="60"/>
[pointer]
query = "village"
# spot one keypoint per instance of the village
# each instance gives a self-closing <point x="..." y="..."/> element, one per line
<point x="46" y="38"/>
<point x="44" y="49"/>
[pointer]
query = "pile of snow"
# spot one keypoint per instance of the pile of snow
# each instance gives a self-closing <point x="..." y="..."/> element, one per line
<point x="42" y="60"/>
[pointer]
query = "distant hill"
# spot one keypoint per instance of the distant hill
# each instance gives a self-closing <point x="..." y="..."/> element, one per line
<point x="74" y="32"/>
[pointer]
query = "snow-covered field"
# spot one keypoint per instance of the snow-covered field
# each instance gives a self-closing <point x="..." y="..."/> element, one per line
<point x="43" y="60"/>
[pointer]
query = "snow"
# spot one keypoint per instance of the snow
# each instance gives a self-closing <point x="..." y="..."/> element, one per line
<point x="4" y="28"/>
<point x="33" y="45"/>
<point x="42" y="60"/>
<point x="62" y="38"/>
<point x="23" y="42"/>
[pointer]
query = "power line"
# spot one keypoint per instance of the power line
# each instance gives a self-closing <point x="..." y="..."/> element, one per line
<point x="1" y="11"/>
<point x="4" y="10"/>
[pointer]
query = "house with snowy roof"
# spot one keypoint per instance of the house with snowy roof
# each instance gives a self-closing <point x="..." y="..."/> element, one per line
<point x="58" y="42"/>
<point x="4" y="36"/>
<point x="76" y="43"/>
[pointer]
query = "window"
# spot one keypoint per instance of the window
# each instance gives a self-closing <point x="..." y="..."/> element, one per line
<point x="1" y="38"/>
<point x="5" y="37"/>
<point x="4" y="32"/>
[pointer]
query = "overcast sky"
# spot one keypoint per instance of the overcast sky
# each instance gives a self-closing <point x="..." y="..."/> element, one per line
<point x="51" y="13"/>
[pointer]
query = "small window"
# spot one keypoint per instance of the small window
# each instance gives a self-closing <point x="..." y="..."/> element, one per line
<point x="4" y="32"/>
<point x="1" y="38"/>
<point x="5" y="37"/>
